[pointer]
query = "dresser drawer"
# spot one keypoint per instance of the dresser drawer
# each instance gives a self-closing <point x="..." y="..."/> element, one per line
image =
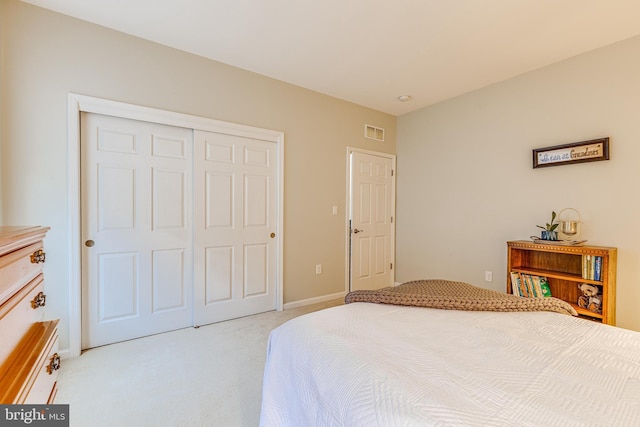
<point x="30" y="373"/>
<point x="19" y="267"/>
<point x="18" y="314"/>
<point x="43" y="389"/>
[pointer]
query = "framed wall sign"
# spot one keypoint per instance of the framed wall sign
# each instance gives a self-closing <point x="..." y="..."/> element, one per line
<point x="578" y="152"/>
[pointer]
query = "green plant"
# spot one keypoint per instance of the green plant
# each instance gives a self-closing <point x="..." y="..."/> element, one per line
<point x="551" y="226"/>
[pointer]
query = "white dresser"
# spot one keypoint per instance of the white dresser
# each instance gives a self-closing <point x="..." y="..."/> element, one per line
<point x="28" y="352"/>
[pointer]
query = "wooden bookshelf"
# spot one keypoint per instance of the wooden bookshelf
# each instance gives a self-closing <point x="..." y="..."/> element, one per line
<point x="563" y="267"/>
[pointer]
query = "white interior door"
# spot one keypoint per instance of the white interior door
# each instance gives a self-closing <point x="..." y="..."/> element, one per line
<point x="371" y="212"/>
<point x="236" y="225"/>
<point x="137" y="263"/>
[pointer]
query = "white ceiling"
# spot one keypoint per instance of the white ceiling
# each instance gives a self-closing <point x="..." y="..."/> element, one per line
<point x="371" y="51"/>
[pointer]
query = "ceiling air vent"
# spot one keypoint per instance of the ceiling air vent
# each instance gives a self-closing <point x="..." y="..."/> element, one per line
<point x="373" y="132"/>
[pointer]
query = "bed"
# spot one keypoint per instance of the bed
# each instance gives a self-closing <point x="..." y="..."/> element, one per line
<point x="372" y="364"/>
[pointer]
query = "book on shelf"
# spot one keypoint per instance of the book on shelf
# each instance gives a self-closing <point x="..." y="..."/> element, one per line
<point x="592" y="267"/>
<point x="515" y="284"/>
<point x="522" y="286"/>
<point x="529" y="285"/>
<point x="536" y="286"/>
<point x="597" y="269"/>
<point x="586" y="260"/>
<point x="544" y="286"/>
<point x="524" y="289"/>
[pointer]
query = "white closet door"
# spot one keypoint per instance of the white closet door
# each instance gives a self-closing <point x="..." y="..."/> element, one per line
<point x="137" y="261"/>
<point x="235" y="252"/>
<point x="371" y="221"/>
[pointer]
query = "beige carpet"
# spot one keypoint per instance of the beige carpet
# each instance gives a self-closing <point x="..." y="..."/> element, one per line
<point x="210" y="376"/>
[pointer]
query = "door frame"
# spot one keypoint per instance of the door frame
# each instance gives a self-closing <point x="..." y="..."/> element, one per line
<point x="347" y="270"/>
<point x="77" y="104"/>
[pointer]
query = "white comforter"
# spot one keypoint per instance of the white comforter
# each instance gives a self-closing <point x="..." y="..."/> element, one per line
<point x="369" y="365"/>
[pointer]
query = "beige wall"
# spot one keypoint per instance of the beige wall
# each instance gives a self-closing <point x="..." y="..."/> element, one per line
<point x="466" y="183"/>
<point x="48" y="55"/>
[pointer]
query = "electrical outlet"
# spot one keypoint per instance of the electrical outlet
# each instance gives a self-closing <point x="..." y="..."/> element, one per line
<point x="318" y="268"/>
<point x="488" y="276"/>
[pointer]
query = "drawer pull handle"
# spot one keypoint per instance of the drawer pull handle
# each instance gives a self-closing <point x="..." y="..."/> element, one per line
<point x="37" y="257"/>
<point x="39" y="300"/>
<point x="54" y="365"/>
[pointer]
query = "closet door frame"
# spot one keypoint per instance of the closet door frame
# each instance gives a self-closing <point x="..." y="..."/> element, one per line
<point x="82" y="103"/>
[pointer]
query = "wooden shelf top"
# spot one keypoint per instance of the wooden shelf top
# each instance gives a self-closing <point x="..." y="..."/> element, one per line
<point x="582" y="248"/>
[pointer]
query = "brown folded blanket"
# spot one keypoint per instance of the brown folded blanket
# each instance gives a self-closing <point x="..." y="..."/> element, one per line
<point x="450" y="295"/>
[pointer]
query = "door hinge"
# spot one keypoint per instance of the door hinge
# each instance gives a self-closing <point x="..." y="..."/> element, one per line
<point x="391" y="172"/>
<point x="391" y="266"/>
<point x="391" y="220"/>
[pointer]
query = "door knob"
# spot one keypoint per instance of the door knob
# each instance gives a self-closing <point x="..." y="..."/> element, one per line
<point x="89" y="243"/>
<point x="356" y="231"/>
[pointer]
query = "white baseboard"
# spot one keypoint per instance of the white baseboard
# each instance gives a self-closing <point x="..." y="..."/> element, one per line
<point x="397" y="283"/>
<point x="64" y="354"/>
<point x="315" y="300"/>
